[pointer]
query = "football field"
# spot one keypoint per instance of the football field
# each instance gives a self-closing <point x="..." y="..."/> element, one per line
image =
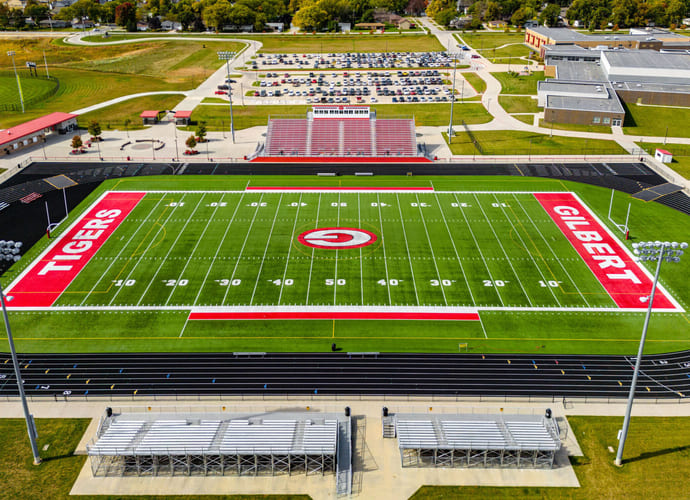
<point x="300" y="250"/>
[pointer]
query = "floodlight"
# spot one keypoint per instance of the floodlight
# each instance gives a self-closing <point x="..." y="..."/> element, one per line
<point x="683" y="245"/>
<point x="635" y="245"/>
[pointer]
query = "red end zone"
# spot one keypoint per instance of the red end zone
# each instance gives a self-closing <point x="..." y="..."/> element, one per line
<point x="334" y="315"/>
<point x="42" y="283"/>
<point x="618" y="273"/>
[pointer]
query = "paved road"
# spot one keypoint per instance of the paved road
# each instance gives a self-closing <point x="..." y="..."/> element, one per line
<point x="662" y="376"/>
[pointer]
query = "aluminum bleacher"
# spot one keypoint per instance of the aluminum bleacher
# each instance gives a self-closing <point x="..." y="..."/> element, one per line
<point x="222" y="444"/>
<point x="520" y="441"/>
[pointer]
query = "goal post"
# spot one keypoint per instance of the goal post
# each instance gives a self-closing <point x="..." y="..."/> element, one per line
<point x="623" y="228"/>
<point x="461" y="346"/>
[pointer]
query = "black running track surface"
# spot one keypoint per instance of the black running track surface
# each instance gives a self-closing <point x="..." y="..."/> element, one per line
<point x="116" y="374"/>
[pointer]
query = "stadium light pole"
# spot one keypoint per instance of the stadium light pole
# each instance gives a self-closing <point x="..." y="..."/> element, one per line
<point x="28" y="417"/>
<point x="11" y="54"/>
<point x="226" y="56"/>
<point x="452" y="98"/>
<point x="647" y="251"/>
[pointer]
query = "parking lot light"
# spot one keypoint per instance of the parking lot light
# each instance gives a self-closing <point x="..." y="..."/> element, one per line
<point x="226" y="56"/>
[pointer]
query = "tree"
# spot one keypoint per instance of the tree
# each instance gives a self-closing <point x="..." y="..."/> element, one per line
<point x="241" y="14"/>
<point x="76" y="142"/>
<point x="520" y="16"/>
<point x="125" y="14"/>
<point x="415" y="7"/>
<point x="218" y="14"/>
<point x="198" y="24"/>
<point x="191" y="142"/>
<point x="310" y="17"/>
<point x="154" y="23"/>
<point x="201" y="132"/>
<point x="446" y="16"/>
<point x="549" y="16"/>
<point x="436" y="6"/>
<point x="95" y="130"/>
<point x="492" y="12"/>
<point x="35" y="11"/>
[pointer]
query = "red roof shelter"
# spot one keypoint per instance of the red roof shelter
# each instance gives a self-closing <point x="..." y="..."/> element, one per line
<point x="182" y="117"/>
<point x="149" y="116"/>
<point x="33" y="127"/>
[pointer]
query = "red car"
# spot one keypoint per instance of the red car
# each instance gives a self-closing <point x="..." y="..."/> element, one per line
<point x="221" y="92"/>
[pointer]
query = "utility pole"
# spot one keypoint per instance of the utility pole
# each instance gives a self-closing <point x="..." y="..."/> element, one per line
<point x="19" y="86"/>
<point x="28" y="417"/>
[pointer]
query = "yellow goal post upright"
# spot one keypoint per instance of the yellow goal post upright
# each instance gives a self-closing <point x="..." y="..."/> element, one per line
<point x="462" y="345"/>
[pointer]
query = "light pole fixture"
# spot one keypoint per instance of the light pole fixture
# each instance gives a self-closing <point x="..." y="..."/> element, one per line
<point x="452" y="98"/>
<point x="28" y="417"/>
<point x="226" y="56"/>
<point x="647" y="251"/>
<point x="11" y="54"/>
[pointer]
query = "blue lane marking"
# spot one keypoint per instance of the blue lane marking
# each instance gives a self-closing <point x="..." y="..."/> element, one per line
<point x="167" y="376"/>
<point x="75" y="365"/>
<point x="121" y="370"/>
<point x="213" y="381"/>
<point x="266" y="385"/>
<point x="86" y="393"/>
<point x="584" y="367"/>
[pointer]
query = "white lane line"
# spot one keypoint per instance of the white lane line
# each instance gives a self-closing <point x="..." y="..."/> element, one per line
<point x="311" y="263"/>
<point x="180" y="232"/>
<point x="239" y="256"/>
<point x="287" y="260"/>
<point x="479" y="248"/>
<point x="220" y="245"/>
<point x="551" y="249"/>
<point x="148" y="247"/>
<point x="431" y="249"/>
<point x="524" y="246"/>
<point x="500" y="244"/>
<point x="263" y="258"/>
<point x="407" y="247"/>
<point x="193" y="252"/>
<point x="455" y="250"/>
<point x="115" y="259"/>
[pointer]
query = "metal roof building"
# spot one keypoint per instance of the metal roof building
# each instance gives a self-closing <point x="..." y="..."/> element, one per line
<point x="518" y="441"/>
<point x="146" y="444"/>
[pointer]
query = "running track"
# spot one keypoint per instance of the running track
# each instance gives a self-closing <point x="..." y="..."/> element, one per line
<point x="663" y="375"/>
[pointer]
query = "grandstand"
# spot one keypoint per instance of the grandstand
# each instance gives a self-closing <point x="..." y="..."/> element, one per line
<point x="205" y="444"/>
<point x="496" y="441"/>
<point x="344" y="133"/>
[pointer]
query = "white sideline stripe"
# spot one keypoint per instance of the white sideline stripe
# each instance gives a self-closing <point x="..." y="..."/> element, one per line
<point x="678" y="307"/>
<point x="357" y="308"/>
<point x="344" y="190"/>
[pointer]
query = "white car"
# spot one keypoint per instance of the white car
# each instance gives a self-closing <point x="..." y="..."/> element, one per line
<point x="373" y="99"/>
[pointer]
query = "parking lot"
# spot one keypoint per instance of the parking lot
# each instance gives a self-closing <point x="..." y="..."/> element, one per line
<point x="373" y="60"/>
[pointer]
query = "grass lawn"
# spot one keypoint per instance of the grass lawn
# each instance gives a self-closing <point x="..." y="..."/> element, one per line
<point x="681" y="155"/>
<point x="424" y="114"/>
<point x="508" y="142"/>
<point x="476" y="81"/>
<point x="600" y="129"/>
<point x="514" y="51"/>
<point x="32" y="88"/>
<point x="113" y="117"/>
<point x="326" y="43"/>
<point x="657" y="456"/>
<point x="512" y="83"/>
<point x="486" y="40"/>
<point x="513" y="104"/>
<point x="528" y="119"/>
<point x="656" y="120"/>
<point x="54" y="478"/>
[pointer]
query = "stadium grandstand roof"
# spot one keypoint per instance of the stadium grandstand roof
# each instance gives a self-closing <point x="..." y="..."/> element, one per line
<point x="31" y="127"/>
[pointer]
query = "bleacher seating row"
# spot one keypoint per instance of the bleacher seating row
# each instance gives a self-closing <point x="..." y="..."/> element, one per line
<point x="346" y="137"/>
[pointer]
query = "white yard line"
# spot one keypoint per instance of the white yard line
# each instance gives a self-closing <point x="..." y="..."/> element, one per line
<point x="115" y="259"/>
<point x="560" y="263"/>
<point x="361" y="269"/>
<point x="215" y="256"/>
<point x="457" y="256"/>
<point x="139" y="260"/>
<point x="431" y="249"/>
<point x="479" y="249"/>
<point x="179" y="234"/>
<point x="407" y="247"/>
<point x="239" y="256"/>
<point x="517" y="278"/>
<point x="311" y="262"/>
<point x="335" y="278"/>
<point x="287" y="261"/>
<point x="383" y="246"/>
<point x="268" y="242"/>
<point x="199" y="239"/>
<point x="524" y="246"/>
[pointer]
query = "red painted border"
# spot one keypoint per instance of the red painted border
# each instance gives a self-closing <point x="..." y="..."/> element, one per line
<point x="626" y="284"/>
<point x="327" y="188"/>
<point x="50" y="276"/>
<point x="334" y="315"/>
<point x="340" y="159"/>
